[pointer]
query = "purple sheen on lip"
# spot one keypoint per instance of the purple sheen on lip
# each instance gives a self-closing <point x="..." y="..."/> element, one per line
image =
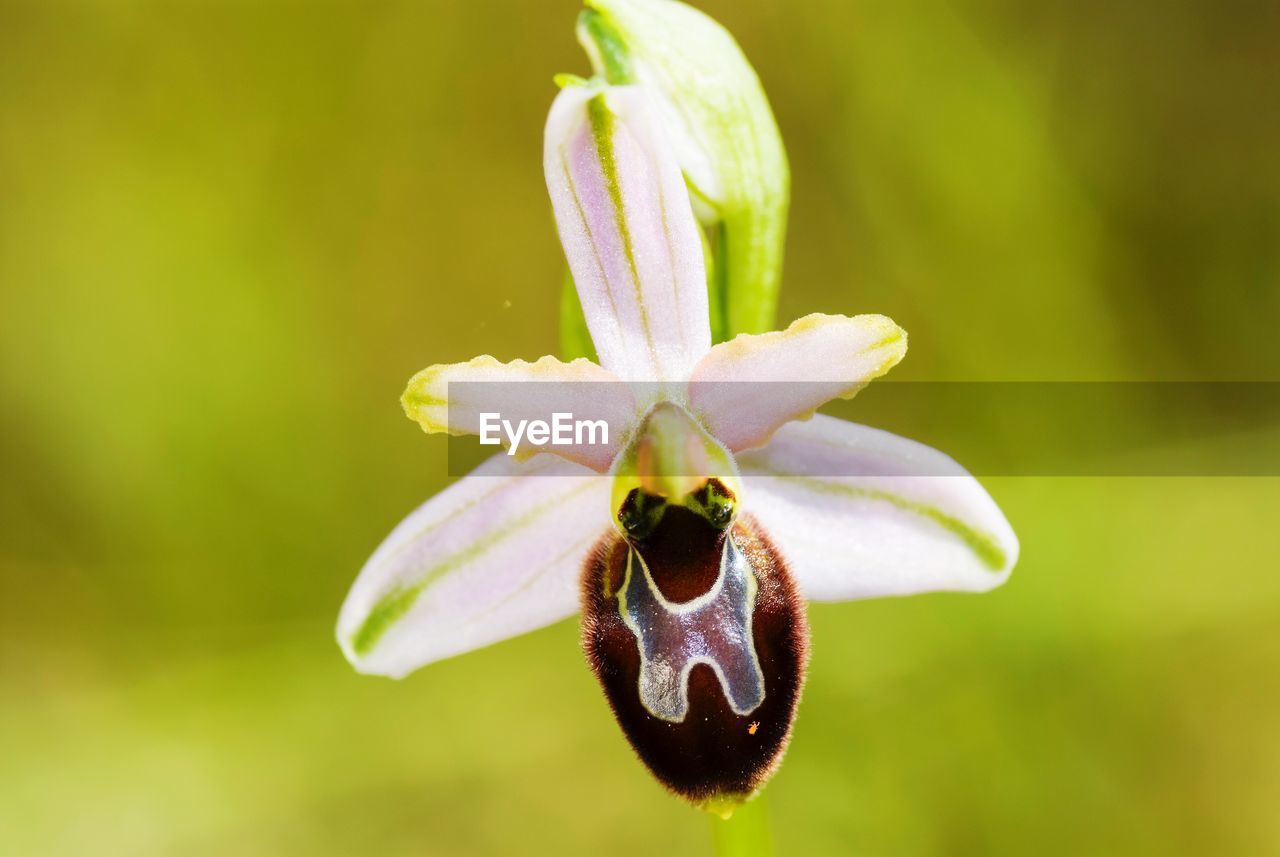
<point x="713" y="629"/>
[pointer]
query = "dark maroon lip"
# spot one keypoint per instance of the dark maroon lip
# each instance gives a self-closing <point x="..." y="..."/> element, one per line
<point x="714" y="751"/>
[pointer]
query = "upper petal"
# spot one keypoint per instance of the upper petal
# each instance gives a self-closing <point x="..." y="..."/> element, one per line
<point x="496" y="554"/>
<point x="452" y="397"/>
<point x="628" y="231"/>
<point x="744" y="389"/>
<point x="858" y="512"/>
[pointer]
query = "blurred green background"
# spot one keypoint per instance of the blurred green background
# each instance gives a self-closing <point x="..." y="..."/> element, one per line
<point x="231" y="231"/>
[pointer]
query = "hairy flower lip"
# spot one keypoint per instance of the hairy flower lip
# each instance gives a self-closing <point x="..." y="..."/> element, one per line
<point x="739" y="746"/>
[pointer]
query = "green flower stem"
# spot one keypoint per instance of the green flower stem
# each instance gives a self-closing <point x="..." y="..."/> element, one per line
<point x="745" y="833"/>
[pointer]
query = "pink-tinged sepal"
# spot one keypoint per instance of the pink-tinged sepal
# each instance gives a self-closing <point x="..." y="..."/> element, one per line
<point x="628" y="231"/>
<point x="494" y="555"/>
<point x="862" y="513"/>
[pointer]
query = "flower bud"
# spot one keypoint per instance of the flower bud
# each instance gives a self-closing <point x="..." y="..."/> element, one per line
<point x="714" y="111"/>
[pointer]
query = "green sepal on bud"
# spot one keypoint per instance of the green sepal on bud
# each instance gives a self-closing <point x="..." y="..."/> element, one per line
<point x="718" y="118"/>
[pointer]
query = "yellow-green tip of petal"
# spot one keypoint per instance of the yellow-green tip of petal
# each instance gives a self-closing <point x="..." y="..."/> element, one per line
<point x="418" y="399"/>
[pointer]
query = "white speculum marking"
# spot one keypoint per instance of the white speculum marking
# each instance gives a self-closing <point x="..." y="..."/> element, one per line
<point x="712" y="629"/>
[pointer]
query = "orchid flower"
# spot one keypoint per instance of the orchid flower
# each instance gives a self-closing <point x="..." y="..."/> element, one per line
<point x="691" y="537"/>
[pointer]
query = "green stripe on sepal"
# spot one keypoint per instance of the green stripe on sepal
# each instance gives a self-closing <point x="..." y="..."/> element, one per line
<point x="395" y="604"/>
<point x="603" y="127"/>
<point x="727" y="140"/>
<point x="983" y="545"/>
